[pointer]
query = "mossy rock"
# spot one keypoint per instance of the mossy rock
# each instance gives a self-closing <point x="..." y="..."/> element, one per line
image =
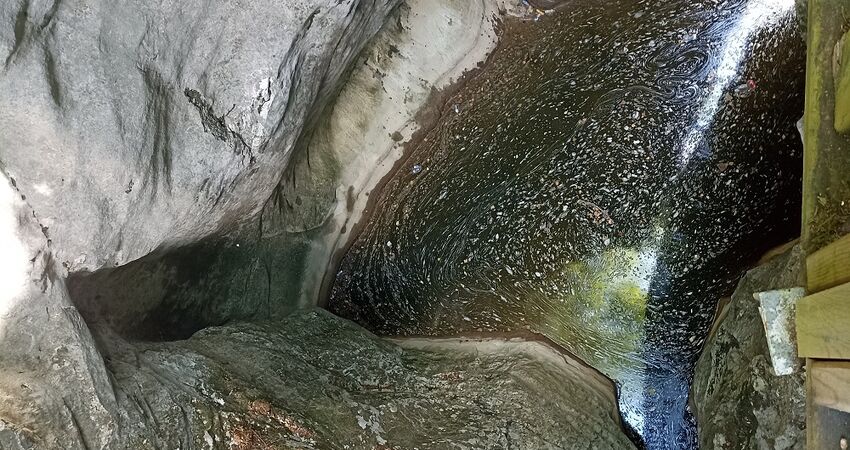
<point x="841" y="72"/>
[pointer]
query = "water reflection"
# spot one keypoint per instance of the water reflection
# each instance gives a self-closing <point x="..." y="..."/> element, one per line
<point x="757" y="15"/>
<point x="601" y="183"/>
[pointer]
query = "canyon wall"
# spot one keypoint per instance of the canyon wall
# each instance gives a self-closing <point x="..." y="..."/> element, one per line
<point x="172" y="166"/>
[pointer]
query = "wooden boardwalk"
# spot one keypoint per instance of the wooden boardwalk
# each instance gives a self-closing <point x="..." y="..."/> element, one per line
<point x="823" y="317"/>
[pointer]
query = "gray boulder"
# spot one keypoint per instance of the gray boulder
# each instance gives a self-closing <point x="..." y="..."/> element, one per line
<point x="313" y="380"/>
<point x="131" y="126"/>
<point x="740" y="402"/>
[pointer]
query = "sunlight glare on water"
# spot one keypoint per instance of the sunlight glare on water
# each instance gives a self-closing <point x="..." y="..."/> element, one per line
<point x="758" y="14"/>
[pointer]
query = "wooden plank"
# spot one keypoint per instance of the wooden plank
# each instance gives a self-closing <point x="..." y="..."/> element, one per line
<point x="825" y="162"/>
<point x="829" y="266"/>
<point x="811" y="409"/>
<point x="823" y="324"/>
<point x="815" y="86"/>
<point x="825" y="425"/>
<point x="830" y="384"/>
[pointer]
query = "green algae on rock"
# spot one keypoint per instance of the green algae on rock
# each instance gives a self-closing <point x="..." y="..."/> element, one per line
<point x="841" y="74"/>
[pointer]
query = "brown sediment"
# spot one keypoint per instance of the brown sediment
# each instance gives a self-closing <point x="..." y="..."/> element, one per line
<point x="428" y="117"/>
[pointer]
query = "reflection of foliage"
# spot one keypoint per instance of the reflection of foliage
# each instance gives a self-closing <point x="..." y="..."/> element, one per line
<point x="632" y="299"/>
<point x="599" y="310"/>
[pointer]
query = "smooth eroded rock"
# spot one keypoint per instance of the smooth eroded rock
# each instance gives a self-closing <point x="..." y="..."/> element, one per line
<point x="313" y="380"/>
<point x="131" y="126"/>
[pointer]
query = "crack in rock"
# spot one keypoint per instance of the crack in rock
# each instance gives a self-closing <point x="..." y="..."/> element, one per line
<point x="216" y="125"/>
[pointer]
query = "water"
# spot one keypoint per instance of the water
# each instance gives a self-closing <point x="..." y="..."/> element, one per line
<point x="600" y="183"/>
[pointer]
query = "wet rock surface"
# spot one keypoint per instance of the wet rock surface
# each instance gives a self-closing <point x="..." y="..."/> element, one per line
<point x="313" y="380"/>
<point x="740" y="402"/>
<point x="318" y="381"/>
<point x="598" y="182"/>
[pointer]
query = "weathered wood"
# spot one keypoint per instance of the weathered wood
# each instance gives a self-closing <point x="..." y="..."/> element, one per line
<point x="823" y="324"/>
<point x="811" y="416"/>
<point x="825" y="155"/>
<point x="829" y="266"/>
<point x="830" y="384"/>
<point x="825" y="424"/>
<point x="823" y="317"/>
<point x="811" y="120"/>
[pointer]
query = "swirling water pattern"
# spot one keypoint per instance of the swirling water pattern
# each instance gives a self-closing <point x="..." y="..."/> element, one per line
<point x="598" y="182"/>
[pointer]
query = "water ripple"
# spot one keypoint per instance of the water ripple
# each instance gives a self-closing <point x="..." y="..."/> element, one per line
<point x="555" y="198"/>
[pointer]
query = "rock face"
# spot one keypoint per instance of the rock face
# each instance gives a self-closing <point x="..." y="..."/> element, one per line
<point x="740" y="402"/>
<point x="54" y="389"/>
<point x="131" y="126"/>
<point x="265" y="264"/>
<point x="139" y="144"/>
<point x="318" y="381"/>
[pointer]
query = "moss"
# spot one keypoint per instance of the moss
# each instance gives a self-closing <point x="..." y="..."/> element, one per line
<point x="831" y="217"/>
<point x="632" y="299"/>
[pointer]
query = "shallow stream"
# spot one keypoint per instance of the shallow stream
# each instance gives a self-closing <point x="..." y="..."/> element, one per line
<point x="604" y="181"/>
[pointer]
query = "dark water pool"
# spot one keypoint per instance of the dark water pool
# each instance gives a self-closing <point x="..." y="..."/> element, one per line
<point x="604" y="181"/>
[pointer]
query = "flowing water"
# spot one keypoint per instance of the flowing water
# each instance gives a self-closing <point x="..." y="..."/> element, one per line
<point x="604" y="180"/>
